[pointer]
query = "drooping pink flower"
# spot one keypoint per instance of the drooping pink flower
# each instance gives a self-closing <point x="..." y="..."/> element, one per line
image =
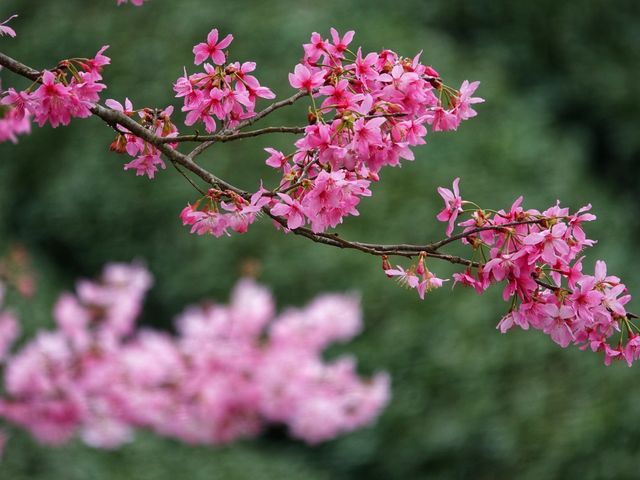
<point x="291" y="210"/>
<point x="428" y="282"/>
<point x="276" y="158"/>
<point x="464" y="100"/>
<point x="211" y="222"/>
<point x="558" y="323"/>
<point x="443" y="120"/>
<point x="54" y="101"/>
<point x="14" y="122"/>
<point x="453" y="205"/>
<point x="5" y="29"/>
<point x="405" y="277"/>
<point x="146" y="164"/>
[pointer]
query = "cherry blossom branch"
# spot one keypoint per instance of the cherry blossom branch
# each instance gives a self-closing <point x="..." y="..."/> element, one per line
<point x="113" y="118"/>
<point x="333" y="165"/>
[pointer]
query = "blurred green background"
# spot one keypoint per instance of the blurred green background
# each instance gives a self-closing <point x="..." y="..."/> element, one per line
<point x="560" y="120"/>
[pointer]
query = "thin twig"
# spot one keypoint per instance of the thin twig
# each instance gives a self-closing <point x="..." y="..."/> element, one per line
<point x="222" y="138"/>
<point x="272" y="108"/>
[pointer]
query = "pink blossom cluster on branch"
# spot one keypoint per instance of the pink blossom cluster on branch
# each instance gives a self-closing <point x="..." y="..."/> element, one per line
<point x="226" y="92"/>
<point x="537" y="255"/>
<point x="69" y="91"/>
<point x="366" y="113"/>
<point x="227" y="371"/>
<point x="12" y="122"/>
<point x="146" y="156"/>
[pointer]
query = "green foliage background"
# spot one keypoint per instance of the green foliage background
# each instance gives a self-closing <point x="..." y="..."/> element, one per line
<point x="560" y="121"/>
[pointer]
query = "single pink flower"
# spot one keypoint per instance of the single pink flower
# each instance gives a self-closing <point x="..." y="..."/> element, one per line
<point x="276" y="159"/>
<point x="340" y="45"/>
<point x="115" y="105"/>
<point x="315" y="49"/>
<point x="404" y="277"/>
<point x="464" y="100"/>
<point x="305" y="79"/>
<point x="291" y="210"/>
<point x="212" y="48"/>
<point x="453" y="205"/>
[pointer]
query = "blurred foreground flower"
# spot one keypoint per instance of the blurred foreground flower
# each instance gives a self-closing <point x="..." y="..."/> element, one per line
<point x="227" y="371"/>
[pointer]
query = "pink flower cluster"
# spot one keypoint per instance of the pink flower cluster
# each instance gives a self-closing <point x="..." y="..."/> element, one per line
<point x="537" y="256"/>
<point x="146" y="157"/>
<point x="224" y="91"/>
<point x="12" y="124"/>
<point x="71" y="90"/>
<point x="212" y="215"/>
<point x="367" y="111"/>
<point x="226" y="372"/>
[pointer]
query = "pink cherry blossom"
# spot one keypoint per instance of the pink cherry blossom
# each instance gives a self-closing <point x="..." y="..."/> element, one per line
<point x="340" y="45"/>
<point x="276" y="158"/>
<point x="464" y="101"/>
<point x="404" y="277"/>
<point x="453" y="205"/>
<point x="212" y="48"/>
<point x="291" y="210"/>
<point x="305" y="79"/>
<point x="316" y="48"/>
<point x="146" y="164"/>
<point x="535" y="254"/>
